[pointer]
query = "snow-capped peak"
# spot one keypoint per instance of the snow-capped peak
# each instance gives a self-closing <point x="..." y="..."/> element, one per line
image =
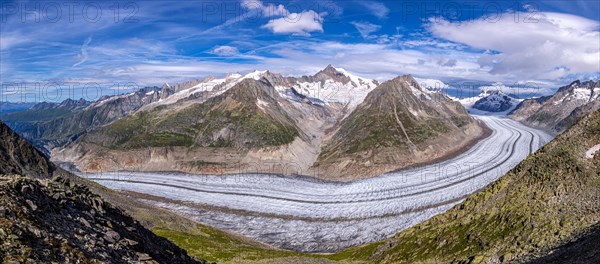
<point x="232" y="76"/>
<point x="256" y="75"/>
<point x="330" y="86"/>
<point x="358" y="81"/>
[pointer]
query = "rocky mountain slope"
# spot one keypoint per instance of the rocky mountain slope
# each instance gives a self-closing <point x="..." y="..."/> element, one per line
<point x="56" y="220"/>
<point x="557" y="112"/>
<point x="399" y="124"/>
<point x="18" y="157"/>
<point x="247" y="115"/>
<point x="239" y="126"/>
<point x="546" y="201"/>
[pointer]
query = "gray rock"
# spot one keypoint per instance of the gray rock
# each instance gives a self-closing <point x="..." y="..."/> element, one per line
<point x="112" y="236"/>
<point x="31" y="204"/>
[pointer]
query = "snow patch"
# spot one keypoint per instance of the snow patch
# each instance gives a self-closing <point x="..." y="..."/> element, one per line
<point x="592" y="151"/>
<point x="419" y="92"/>
<point x="261" y="104"/>
<point x="582" y="94"/>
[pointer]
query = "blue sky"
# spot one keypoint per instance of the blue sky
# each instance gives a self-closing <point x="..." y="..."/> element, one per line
<point x="71" y="49"/>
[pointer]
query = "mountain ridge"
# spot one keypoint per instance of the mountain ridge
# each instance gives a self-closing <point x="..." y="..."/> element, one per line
<point x="552" y="112"/>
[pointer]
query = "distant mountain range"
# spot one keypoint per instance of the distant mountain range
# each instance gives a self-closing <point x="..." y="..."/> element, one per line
<point x="11" y="107"/>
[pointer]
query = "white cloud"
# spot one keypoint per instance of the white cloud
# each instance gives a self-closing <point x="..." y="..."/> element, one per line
<point x="547" y="46"/>
<point x="9" y="40"/>
<point x="297" y="23"/>
<point x="260" y="9"/>
<point x="365" y="28"/>
<point x="225" y="51"/>
<point x="83" y="56"/>
<point x="377" y="9"/>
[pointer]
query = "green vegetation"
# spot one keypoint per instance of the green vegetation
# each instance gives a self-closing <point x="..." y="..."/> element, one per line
<point x="542" y="117"/>
<point x="215" y="245"/>
<point x="460" y="121"/>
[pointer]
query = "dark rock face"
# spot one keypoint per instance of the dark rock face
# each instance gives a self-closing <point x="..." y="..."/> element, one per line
<point x="43" y="221"/>
<point x="583" y="250"/>
<point x="17" y="156"/>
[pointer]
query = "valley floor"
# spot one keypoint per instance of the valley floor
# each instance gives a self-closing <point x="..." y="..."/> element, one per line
<point x="309" y="215"/>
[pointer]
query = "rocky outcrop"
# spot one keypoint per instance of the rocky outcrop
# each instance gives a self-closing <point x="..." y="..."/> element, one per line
<point x="46" y="218"/>
<point x="557" y="112"/>
<point x="44" y="221"/>
<point x="18" y="157"/>
<point x="583" y="249"/>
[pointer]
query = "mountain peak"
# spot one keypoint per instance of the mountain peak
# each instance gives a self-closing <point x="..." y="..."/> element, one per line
<point x="331" y="72"/>
<point x="575" y="83"/>
<point x="406" y="77"/>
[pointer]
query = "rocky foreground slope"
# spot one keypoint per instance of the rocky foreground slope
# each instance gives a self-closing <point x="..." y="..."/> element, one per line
<point x="559" y="111"/>
<point x="549" y="199"/>
<point x="17" y="156"/>
<point x="45" y="220"/>
<point x="58" y="221"/>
